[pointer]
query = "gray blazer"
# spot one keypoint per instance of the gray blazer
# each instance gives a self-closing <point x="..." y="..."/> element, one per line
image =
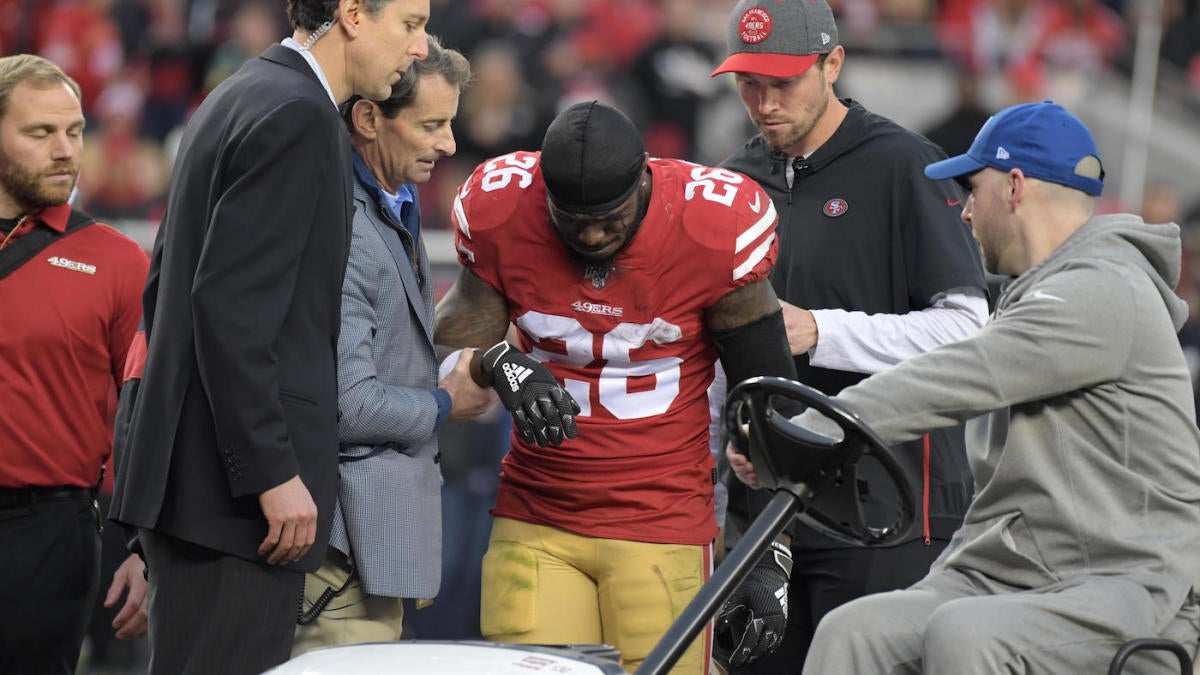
<point x="388" y="516"/>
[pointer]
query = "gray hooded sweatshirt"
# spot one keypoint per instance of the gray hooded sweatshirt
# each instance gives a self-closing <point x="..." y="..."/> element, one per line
<point x="1091" y="464"/>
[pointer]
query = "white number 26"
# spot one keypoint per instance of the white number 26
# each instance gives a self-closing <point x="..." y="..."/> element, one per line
<point x="707" y="179"/>
<point x="613" y="390"/>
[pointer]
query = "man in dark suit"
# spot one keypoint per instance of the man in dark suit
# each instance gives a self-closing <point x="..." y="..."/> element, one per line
<point x="228" y="465"/>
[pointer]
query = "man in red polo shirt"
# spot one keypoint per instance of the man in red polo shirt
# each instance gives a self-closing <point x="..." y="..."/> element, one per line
<point x="70" y="302"/>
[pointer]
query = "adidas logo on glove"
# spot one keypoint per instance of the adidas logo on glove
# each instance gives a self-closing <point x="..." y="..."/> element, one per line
<point x="542" y="412"/>
<point x="515" y="375"/>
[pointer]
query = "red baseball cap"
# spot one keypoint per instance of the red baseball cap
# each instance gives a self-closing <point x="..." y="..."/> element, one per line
<point x="778" y="38"/>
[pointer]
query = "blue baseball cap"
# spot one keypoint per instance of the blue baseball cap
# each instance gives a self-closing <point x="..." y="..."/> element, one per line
<point x="1043" y="140"/>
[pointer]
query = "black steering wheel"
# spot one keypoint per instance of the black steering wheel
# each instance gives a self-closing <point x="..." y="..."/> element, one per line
<point x="821" y="471"/>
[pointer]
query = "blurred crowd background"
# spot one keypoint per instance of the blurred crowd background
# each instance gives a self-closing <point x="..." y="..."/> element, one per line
<point x="144" y="65"/>
<point x="1129" y="68"/>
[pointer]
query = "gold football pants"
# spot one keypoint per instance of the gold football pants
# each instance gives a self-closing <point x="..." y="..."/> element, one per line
<point x="543" y="585"/>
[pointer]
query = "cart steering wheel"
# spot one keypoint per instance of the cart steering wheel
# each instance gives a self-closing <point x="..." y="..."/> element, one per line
<point x="821" y="471"/>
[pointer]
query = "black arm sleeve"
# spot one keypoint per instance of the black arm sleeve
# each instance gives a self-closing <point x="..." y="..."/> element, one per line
<point x="757" y="348"/>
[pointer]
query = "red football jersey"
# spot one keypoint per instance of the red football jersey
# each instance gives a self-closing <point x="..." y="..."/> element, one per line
<point x="629" y="342"/>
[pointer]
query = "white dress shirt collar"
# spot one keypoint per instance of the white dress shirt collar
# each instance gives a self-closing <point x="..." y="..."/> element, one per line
<point x="312" y="62"/>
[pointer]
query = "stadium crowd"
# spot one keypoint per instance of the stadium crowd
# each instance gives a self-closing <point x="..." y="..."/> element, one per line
<point x="144" y="65"/>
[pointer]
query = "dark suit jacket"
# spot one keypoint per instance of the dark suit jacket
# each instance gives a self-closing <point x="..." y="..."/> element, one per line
<point x="241" y="307"/>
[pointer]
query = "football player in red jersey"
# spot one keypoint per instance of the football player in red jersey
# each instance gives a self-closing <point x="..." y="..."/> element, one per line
<point x="627" y="276"/>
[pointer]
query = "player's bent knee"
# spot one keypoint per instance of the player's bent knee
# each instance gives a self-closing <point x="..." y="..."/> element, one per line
<point x="642" y="607"/>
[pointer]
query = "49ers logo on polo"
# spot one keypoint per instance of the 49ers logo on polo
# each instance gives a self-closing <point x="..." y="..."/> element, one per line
<point x="72" y="265"/>
<point x="754" y="26"/>
<point x="835" y="207"/>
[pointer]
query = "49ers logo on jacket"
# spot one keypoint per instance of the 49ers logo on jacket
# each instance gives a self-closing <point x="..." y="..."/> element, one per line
<point x="754" y="26"/>
<point x="835" y="207"/>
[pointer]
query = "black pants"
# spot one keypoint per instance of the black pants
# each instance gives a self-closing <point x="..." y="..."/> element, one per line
<point x="215" y="613"/>
<point x="50" y="556"/>
<point x="825" y="579"/>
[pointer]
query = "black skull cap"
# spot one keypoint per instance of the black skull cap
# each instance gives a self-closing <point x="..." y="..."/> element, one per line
<point x="592" y="158"/>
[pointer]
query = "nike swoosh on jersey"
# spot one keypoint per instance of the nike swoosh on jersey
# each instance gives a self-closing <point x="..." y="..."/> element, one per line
<point x="756" y="205"/>
<point x="953" y="202"/>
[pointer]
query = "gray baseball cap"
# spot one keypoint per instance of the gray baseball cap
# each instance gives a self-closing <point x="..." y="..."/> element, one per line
<point x="778" y="38"/>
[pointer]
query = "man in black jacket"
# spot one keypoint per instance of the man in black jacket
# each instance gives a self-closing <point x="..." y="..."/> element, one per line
<point x="874" y="267"/>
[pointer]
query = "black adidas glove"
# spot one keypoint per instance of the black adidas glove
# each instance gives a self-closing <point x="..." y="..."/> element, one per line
<point x="543" y="412"/>
<point x="753" y="620"/>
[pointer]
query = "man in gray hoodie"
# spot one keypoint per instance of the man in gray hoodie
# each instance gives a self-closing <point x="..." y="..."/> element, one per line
<point x="1085" y="528"/>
